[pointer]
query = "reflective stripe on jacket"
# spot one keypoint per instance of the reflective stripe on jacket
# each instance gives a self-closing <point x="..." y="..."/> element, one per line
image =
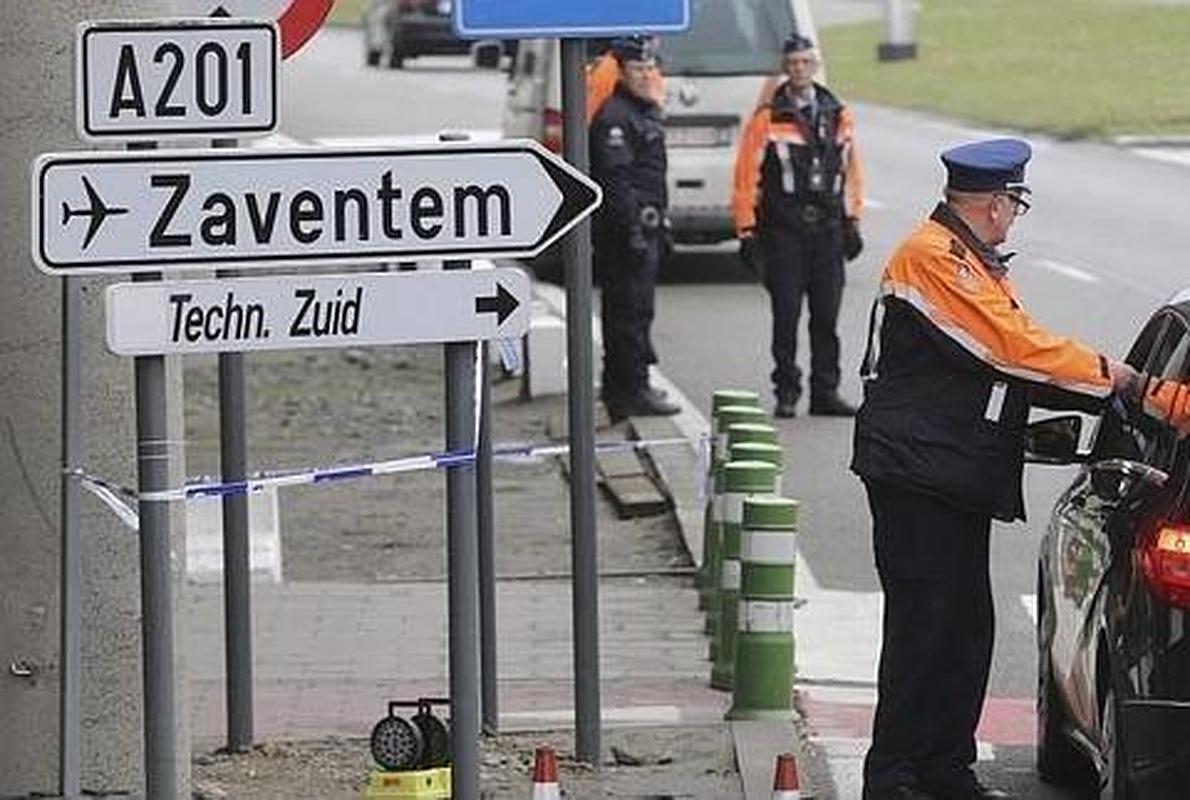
<point x="777" y="143"/>
<point x="947" y="399"/>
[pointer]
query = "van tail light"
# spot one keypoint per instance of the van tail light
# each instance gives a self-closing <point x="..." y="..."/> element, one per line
<point x="551" y="130"/>
<point x="1165" y="560"/>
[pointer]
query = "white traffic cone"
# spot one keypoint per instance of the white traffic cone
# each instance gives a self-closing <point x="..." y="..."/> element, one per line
<point x="545" y="775"/>
<point x="785" y="783"/>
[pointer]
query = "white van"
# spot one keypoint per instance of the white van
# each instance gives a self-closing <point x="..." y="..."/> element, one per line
<point x="714" y="75"/>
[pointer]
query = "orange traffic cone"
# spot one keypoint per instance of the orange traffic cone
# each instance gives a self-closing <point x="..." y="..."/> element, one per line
<point x="545" y="775"/>
<point x="785" y="784"/>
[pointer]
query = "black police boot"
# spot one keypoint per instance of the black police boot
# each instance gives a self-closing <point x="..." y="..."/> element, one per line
<point x="639" y="404"/>
<point x="786" y="407"/>
<point x="830" y="405"/>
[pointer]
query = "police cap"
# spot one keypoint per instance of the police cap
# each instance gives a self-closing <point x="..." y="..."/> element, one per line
<point x="634" y="48"/>
<point x="795" y="43"/>
<point x="992" y="165"/>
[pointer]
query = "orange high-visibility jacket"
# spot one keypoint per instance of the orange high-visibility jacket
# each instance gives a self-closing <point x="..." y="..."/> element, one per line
<point x="778" y="134"/>
<point x="602" y="77"/>
<point x="1169" y="401"/>
<point x="954" y="363"/>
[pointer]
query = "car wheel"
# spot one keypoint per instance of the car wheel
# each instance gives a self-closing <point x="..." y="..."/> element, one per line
<point x="396" y="59"/>
<point x="1113" y="780"/>
<point x="372" y="57"/>
<point x="1057" y="760"/>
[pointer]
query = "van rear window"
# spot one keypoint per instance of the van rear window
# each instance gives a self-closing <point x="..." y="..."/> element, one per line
<point x="730" y="37"/>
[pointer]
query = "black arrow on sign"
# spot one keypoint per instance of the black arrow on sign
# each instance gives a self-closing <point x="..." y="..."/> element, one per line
<point x="502" y="304"/>
<point x="220" y="12"/>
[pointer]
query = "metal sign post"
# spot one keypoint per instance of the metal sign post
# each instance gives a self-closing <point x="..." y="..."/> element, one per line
<point x="576" y="254"/>
<point x="70" y="754"/>
<point x="237" y="543"/>
<point x="569" y="21"/>
<point x="489" y="695"/>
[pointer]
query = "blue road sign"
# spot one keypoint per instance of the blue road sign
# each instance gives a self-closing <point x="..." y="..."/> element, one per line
<point x="515" y="19"/>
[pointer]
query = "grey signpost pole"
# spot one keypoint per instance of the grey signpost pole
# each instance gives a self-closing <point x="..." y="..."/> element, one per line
<point x="70" y="601"/>
<point x="462" y="565"/>
<point x="584" y="560"/>
<point x="487" y="551"/>
<point x="237" y="568"/>
<point x="156" y="578"/>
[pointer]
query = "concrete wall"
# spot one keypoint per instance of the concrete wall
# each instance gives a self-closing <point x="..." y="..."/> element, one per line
<point x="37" y="115"/>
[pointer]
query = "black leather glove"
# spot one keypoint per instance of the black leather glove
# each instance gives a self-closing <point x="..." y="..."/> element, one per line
<point x="748" y="252"/>
<point x="853" y="243"/>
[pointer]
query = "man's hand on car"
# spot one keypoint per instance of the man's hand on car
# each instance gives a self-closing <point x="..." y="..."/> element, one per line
<point x="1125" y="381"/>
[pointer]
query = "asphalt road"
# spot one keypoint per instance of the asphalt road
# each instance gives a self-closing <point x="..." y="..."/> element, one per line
<point x="1103" y="245"/>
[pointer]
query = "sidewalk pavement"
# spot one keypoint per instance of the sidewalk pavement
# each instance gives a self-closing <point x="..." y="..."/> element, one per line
<point x="328" y="655"/>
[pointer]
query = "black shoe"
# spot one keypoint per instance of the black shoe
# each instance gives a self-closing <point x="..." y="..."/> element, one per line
<point x="786" y="407"/>
<point x="831" y="405"/>
<point x="967" y="790"/>
<point x="639" y="404"/>
<point x="898" y="793"/>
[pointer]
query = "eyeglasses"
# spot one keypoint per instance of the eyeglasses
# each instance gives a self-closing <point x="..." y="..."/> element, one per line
<point x="1020" y="205"/>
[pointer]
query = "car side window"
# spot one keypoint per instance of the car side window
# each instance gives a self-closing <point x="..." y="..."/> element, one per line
<point x="1116" y="436"/>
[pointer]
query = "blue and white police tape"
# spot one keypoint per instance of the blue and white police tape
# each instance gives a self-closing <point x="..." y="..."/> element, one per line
<point x="121" y="499"/>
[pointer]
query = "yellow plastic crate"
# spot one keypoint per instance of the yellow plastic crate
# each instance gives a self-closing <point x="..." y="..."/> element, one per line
<point x="422" y="784"/>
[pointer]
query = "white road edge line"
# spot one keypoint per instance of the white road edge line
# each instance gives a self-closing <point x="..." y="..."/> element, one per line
<point x="1068" y="271"/>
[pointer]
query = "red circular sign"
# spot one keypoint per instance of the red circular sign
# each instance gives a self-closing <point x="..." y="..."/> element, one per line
<point x="301" y="20"/>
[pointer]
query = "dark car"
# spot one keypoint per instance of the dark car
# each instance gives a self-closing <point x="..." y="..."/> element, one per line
<point x="398" y="29"/>
<point x="1113" y="591"/>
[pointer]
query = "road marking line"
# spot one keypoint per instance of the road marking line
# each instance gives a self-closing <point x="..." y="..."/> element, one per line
<point x="1067" y="270"/>
<point x="873" y="203"/>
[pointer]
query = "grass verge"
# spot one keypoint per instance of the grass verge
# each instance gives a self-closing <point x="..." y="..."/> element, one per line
<point x="347" y="12"/>
<point x="1071" y="68"/>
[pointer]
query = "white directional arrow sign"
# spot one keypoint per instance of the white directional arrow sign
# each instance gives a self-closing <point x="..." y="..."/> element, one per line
<point x="288" y="312"/>
<point x="161" y="210"/>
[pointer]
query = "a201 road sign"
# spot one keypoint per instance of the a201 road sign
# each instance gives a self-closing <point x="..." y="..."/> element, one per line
<point x="161" y="210"/>
<point x="298" y="19"/>
<point x="163" y="78"/>
<point x="482" y="19"/>
<point x="287" y="312"/>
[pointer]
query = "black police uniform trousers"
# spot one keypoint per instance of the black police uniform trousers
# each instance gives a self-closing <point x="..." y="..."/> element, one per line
<point x="939" y="622"/>
<point x="627" y="280"/>
<point x="804" y="262"/>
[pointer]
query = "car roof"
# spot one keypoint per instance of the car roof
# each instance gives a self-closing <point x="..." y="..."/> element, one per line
<point x="1180" y="301"/>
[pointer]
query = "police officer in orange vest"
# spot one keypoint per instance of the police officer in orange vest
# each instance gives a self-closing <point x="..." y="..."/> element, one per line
<point x="954" y="362"/>
<point x="797" y="202"/>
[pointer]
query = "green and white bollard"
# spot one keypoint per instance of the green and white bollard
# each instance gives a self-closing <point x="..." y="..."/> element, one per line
<point x="741" y="480"/>
<point x="709" y="585"/>
<point x="720" y="399"/>
<point x="752" y="432"/>
<point x="758" y="451"/>
<point x="764" y="647"/>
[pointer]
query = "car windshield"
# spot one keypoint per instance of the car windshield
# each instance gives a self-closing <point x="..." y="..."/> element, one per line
<point x="730" y="37"/>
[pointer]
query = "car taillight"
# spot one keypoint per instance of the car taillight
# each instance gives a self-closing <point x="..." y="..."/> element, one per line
<point x="1165" y="561"/>
<point x="551" y="130"/>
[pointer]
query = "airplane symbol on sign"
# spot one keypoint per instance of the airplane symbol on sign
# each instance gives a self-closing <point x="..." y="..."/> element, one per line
<point x="97" y="212"/>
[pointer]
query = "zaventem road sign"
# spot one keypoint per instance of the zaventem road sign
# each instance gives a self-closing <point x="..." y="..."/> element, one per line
<point x="298" y="20"/>
<point x="479" y="19"/>
<point x="161" y="210"/>
<point x="164" y="78"/>
<point x="288" y="312"/>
